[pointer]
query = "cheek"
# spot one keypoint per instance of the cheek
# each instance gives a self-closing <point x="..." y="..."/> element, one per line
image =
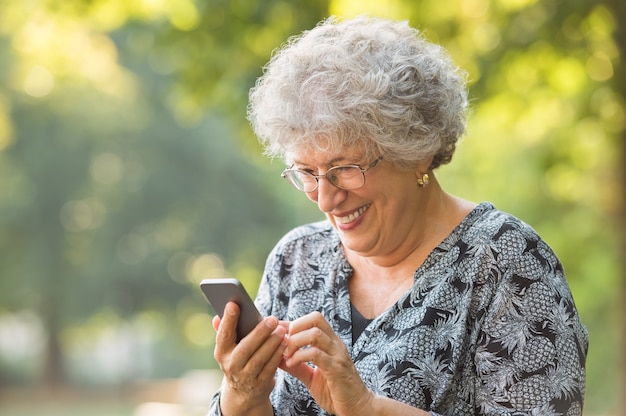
<point x="397" y="203"/>
<point x="312" y="196"/>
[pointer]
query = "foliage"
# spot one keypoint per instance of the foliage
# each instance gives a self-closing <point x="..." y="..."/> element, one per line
<point x="129" y="172"/>
<point x="116" y="201"/>
<point x="544" y="138"/>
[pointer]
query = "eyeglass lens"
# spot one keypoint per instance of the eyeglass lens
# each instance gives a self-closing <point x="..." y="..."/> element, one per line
<point x="345" y="177"/>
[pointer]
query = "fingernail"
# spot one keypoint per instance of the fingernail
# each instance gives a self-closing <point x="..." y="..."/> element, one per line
<point x="271" y="322"/>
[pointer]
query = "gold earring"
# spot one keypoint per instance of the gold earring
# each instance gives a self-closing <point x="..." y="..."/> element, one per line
<point x="423" y="181"/>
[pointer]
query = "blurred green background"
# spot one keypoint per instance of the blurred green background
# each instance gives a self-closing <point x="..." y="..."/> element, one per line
<point x="128" y="173"/>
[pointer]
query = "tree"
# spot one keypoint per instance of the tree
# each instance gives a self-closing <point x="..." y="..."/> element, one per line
<point x="112" y="197"/>
<point x="619" y="82"/>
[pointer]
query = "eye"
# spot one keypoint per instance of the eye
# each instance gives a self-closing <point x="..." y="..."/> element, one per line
<point x="346" y="171"/>
<point x="304" y="171"/>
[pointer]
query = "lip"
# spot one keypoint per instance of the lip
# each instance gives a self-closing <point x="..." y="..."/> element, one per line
<point x="351" y="219"/>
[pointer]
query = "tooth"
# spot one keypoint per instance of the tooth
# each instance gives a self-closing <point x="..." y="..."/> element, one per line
<point x="353" y="216"/>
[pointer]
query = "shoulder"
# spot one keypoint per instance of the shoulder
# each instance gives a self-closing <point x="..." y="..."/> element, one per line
<point x="311" y="231"/>
<point x="488" y="223"/>
<point x="297" y="265"/>
<point x="510" y="240"/>
<point x="487" y="220"/>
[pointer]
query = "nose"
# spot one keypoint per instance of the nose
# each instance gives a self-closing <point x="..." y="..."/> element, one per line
<point x="327" y="195"/>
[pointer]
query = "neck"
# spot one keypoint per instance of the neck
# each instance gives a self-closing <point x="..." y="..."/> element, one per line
<point x="379" y="281"/>
<point x="440" y="213"/>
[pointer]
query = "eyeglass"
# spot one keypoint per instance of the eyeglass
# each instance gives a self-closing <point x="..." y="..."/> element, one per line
<point x="345" y="177"/>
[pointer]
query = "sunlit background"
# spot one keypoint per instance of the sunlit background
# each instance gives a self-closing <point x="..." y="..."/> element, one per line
<point x="128" y="173"/>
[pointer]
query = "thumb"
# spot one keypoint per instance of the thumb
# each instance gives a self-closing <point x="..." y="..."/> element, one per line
<point x="301" y="371"/>
<point x="227" y="330"/>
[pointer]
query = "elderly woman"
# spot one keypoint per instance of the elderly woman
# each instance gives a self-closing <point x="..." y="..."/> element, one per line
<point x="406" y="300"/>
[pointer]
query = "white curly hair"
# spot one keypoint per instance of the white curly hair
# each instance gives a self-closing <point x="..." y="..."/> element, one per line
<point x="367" y="82"/>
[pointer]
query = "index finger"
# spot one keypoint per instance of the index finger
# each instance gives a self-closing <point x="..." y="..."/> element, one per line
<point x="311" y="320"/>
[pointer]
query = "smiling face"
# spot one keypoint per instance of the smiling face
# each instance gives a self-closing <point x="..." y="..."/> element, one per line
<point x="377" y="219"/>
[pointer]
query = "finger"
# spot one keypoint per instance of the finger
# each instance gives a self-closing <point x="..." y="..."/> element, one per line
<point x="313" y="319"/>
<point x="225" y="339"/>
<point x="275" y="348"/>
<point x="257" y="348"/>
<point x="301" y="371"/>
<point x="312" y="337"/>
<point x="216" y="322"/>
<point x="259" y="334"/>
<point x="310" y="355"/>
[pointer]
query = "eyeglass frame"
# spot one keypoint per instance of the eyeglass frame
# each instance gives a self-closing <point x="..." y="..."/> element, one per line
<point x="318" y="177"/>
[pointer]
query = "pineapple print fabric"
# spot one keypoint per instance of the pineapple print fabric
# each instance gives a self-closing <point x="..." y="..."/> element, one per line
<point x="488" y="328"/>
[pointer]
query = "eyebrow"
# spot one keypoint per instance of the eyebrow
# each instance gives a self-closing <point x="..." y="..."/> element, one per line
<point x="329" y="163"/>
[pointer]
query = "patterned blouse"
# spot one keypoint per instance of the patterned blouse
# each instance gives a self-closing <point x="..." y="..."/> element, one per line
<point x="488" y="328"/>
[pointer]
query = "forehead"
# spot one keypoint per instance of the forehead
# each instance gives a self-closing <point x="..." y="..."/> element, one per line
<point x="321" y="150"/>
<point x="318" y="157"/>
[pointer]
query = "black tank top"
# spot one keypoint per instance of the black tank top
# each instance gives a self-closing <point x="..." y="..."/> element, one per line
<point x="359" y="323"/>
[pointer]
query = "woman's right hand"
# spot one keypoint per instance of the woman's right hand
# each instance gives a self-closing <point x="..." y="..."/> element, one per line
<point x="249" y="367"/>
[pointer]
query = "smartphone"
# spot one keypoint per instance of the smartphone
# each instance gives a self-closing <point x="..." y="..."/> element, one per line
<point x="221" y="291"/>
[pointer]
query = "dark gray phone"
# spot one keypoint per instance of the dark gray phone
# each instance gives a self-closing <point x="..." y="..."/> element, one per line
<point x="221" y="291"/>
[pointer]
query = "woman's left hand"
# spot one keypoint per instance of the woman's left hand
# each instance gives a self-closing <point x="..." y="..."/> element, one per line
<point x="334" y="382"/>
